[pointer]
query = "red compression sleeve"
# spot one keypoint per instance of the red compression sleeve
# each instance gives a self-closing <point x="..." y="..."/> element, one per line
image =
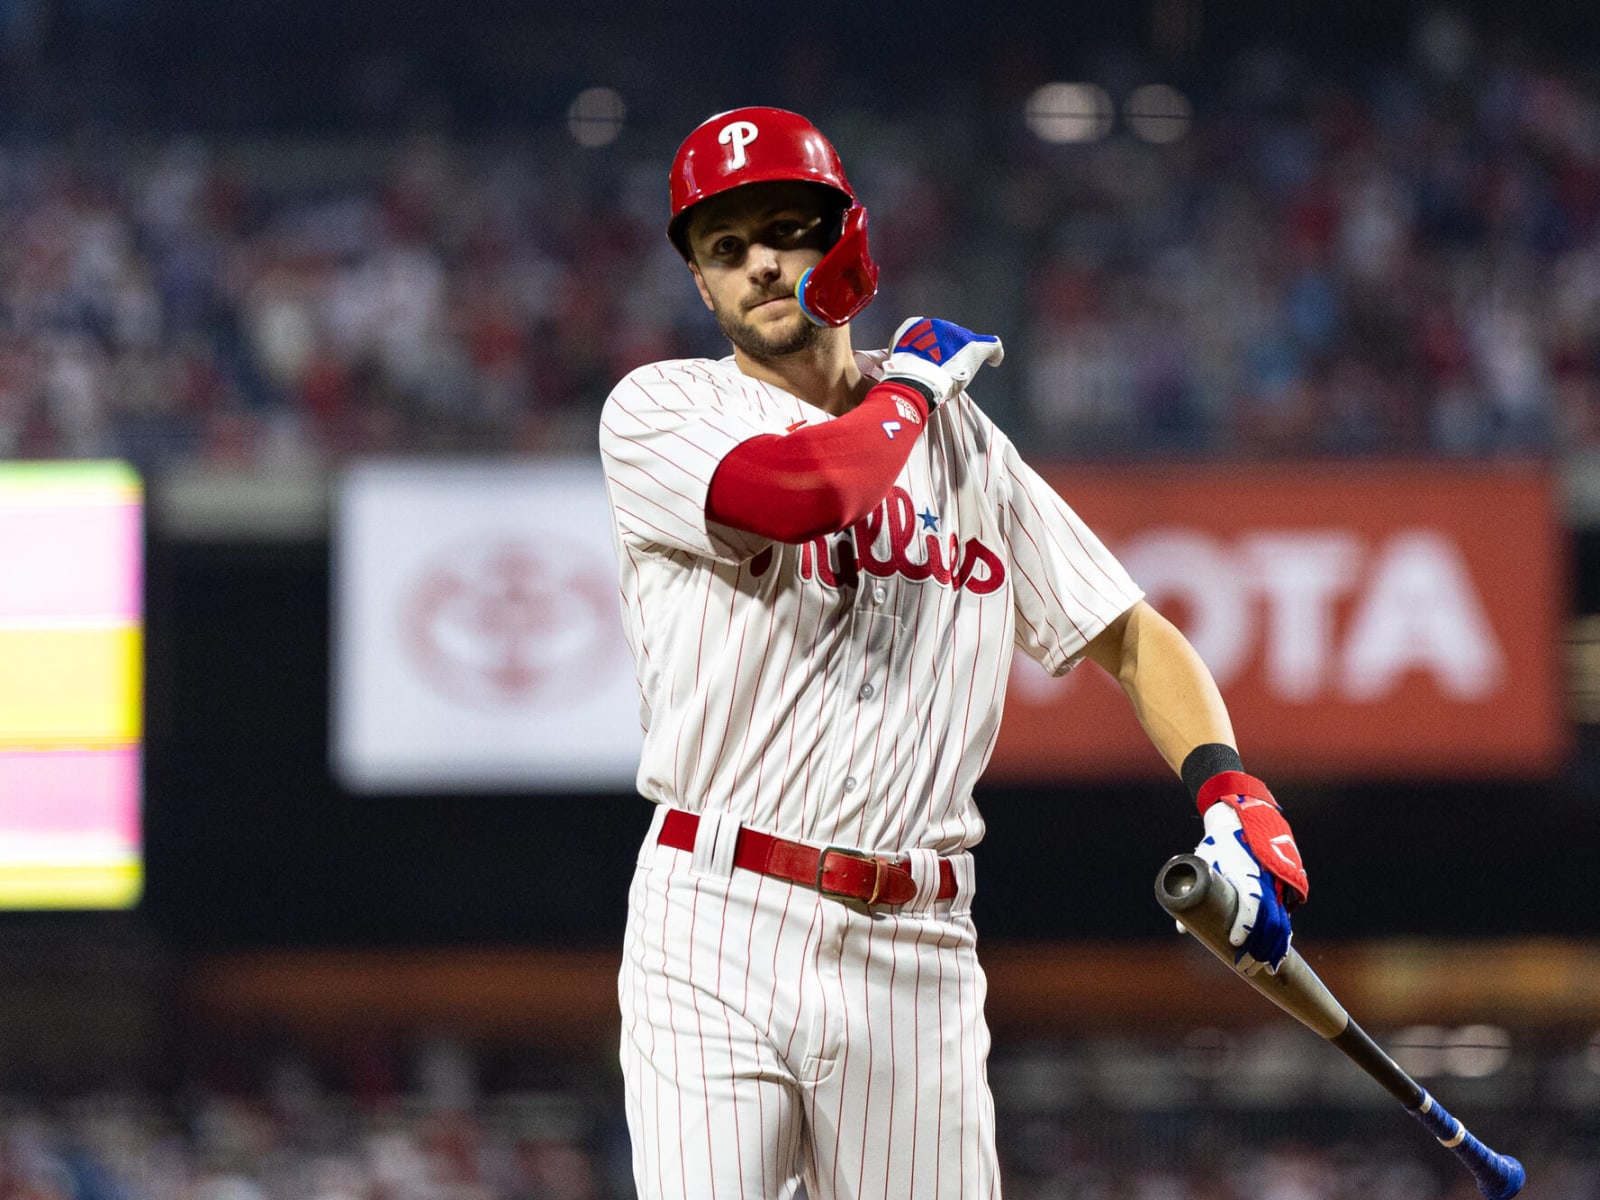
<point x="820" y="478"/>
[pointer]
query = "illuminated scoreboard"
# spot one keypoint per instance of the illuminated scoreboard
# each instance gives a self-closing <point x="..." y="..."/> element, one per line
<point x="71" y="655"/>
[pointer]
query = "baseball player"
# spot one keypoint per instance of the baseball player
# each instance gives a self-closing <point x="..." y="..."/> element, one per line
<point x="826" y="559"/>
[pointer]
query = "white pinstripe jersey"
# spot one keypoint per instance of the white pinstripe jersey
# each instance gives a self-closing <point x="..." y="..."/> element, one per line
<point x="846" y="691"/>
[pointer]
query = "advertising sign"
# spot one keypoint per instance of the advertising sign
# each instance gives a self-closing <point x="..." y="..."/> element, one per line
<point x="477" y="639"/>
<point x="1365" y="621"/>
<point x="71" y="685"/>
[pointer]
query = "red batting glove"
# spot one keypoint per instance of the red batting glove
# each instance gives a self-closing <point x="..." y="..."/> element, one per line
<point x="1266" y="832"/>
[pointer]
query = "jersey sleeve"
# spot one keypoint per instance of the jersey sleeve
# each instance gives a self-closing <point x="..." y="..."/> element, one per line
<point x="1067" y="585"/>
<point x="663" y="431"/>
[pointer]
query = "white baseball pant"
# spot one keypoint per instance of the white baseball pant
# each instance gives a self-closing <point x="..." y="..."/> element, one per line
<point x="772" y="1035"/>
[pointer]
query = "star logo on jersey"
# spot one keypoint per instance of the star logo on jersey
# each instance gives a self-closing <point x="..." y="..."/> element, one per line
<point x="929" y="518"/>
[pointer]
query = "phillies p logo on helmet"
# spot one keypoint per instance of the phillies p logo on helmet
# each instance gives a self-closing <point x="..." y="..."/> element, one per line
<point x="738" y="135"/>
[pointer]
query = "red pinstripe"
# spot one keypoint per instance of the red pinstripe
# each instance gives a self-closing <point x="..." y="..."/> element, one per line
<point x="877" y="738"/>
<point x="788" y="757"/>
<point x="844" y="1069"/>
<point x="911" y="675"/>
<point x="621" y="484"/>
<point x="809" y="955"/>
<point x="864" y="786"/>
<point x="964" y="1093"/>
<point x="924" y="729"/>
<point x="761" y="670"/>
<point x="738" y="659"/>
<point x="635" y="1115"/>
<point x="672" y="1026"/>
<point x="641" y="522"/>
<point x="938" y="1175"/>
<point x="1049" y="598"/>
<point x="916" y="1042"/>
<point x="699" y="1021"/>
<point x="822" y="699"/>
<point x="678" y="439"/>
<point x="637" y="625"/>
<point x="705" y="702"/>
<point x="1087" y="554"/>
<point x="733" y="1070"/>
<point x="749" y="947"/>
<point x="894" y="1061"/>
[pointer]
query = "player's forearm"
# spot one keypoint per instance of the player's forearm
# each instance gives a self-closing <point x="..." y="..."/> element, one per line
<point x="1169" y="685"/>
<point x="820" y="478"/>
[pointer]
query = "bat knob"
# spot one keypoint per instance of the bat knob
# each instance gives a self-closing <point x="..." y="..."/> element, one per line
<point x="1182" y="883"/>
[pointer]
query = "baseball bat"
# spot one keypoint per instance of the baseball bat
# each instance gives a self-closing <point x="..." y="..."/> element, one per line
<point x="1204" y="903"/>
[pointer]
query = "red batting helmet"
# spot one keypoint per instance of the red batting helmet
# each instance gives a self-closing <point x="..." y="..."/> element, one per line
<point x="766" y="145"/>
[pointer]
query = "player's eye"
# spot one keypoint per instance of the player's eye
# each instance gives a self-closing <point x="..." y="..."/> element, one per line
<point x="725" y="247"/>
<point x="791" y="231"/>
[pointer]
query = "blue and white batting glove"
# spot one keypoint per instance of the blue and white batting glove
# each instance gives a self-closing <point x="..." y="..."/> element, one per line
<point x="939" y="359"/>
<point x="1260" y="930"/>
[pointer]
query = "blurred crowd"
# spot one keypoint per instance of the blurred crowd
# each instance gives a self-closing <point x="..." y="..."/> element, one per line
<point x="552" y="1130"/>
<point x="132" y="1146"/>
<point x="1404" y="259"/>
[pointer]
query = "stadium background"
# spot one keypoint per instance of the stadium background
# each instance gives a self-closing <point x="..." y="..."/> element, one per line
<point x="248" y="246"/>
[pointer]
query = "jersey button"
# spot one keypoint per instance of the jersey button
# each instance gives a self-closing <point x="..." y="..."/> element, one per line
<point x="880" y="594"/>
<point x="849" y="783"/>
<point x="866" y="691"/>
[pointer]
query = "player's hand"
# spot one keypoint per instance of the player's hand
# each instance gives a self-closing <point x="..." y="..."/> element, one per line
<point x="1260" y="934"/>
<point x="939" y="359"/>
<point x="1248" y="842"/>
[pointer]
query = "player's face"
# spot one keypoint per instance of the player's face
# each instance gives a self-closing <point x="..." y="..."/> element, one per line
<point x="751" y="246"/>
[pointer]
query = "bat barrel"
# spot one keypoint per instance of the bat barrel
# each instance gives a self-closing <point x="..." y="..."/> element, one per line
<point x="1204" y="903"/>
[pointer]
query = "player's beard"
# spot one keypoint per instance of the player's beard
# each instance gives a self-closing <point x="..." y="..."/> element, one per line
<point x="761" y="346"/>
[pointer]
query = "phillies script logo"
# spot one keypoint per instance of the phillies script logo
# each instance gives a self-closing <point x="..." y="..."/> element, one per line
<point x="507" y="622"/>
<point x="917" y="551"/>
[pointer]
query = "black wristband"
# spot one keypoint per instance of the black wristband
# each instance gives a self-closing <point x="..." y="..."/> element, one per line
<point x="916" y="385"/>
<point x="1203" y="762"/>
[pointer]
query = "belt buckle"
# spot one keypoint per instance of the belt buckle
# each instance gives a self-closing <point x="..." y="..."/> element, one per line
<point x="880" y="867"/>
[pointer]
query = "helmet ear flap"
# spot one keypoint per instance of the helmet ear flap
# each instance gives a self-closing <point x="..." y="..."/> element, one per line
<point x="845" y="281"/>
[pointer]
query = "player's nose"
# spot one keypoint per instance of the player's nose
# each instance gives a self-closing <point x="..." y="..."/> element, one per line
<point x="762" y="263"/>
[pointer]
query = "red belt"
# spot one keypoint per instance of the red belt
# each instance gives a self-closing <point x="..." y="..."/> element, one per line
<point x="833" y="870"/>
